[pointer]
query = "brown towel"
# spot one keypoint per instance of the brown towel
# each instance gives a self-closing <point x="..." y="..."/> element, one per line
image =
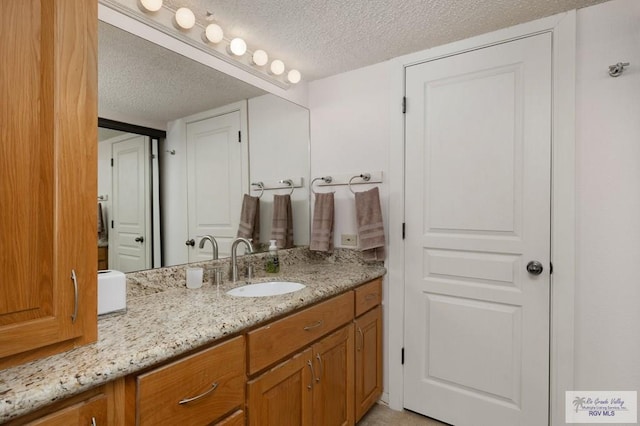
<point x="101" y="227"/>
<point x="370" y="226"/>
<point x="282" y="224"/>
<point x="249" y="226"/>
<point x="322" y="227"/>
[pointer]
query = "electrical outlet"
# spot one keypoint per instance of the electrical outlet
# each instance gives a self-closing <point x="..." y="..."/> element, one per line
<point x="349" y="240"/>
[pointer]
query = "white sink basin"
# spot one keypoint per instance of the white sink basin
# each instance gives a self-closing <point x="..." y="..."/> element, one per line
<point x="270" y="288"/>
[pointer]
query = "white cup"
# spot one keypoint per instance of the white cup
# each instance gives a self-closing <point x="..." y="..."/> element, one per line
<point x="194" y="277"/>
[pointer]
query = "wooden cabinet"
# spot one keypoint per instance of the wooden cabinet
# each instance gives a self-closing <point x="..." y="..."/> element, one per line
<point x="101" y="406"/>
<point x="196" y="390"/>
<point x="368" y="350"/>
<point x="103" y="258"/>
<point x="315" y="387"/>
<point x="48" y="163"/>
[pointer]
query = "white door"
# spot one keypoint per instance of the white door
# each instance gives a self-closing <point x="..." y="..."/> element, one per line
<point x="214" y="182"/>
<point x="129" y="239"/>
<point x="478" y="129"/>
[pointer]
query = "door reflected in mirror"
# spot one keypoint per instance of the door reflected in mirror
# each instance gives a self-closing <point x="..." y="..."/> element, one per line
<point x="198" y="139"/>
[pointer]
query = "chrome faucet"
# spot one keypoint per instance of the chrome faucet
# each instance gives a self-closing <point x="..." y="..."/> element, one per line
<point x="214" y="243"/>
<point x="234" y="257"/>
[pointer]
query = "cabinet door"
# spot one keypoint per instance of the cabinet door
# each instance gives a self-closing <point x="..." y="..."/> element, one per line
<point x="368" y="363"/>
<point x="283" y="395"/>
<point x="90" y="413"/>
<point x="333" y="379"/>
<point x="48" y="110"/>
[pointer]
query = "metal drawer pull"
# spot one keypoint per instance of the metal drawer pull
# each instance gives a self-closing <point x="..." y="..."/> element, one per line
<point x="312" y="326"/>
<point x="195" y="398"/>
<point x="93" y="421"/>
<point x="75" y="295"/>
<point x="320" y="364"/>
<point x="361" y="339"/>
<point x="370" y="296"/>
<point x="313" y="373"/>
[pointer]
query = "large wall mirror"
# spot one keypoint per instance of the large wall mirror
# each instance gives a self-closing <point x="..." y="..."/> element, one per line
<point x="179" y="145"/>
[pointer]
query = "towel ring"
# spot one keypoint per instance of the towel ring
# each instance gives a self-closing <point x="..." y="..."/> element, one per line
<point x="364" y="176"/>
<point x="325" y="179"/>
<point x="259" y="185"/>
<point x="290" y="183"/>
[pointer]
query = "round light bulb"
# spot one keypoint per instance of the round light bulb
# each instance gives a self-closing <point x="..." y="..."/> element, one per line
<point x="238" y="46"/>
<point x="213" y="33"/>
<point x="185" y="19"/>
<point x="277" y="67"/>
<point x="294" y="76"/>
<point x="260" y="58"/>
<point x="151" y="5"/>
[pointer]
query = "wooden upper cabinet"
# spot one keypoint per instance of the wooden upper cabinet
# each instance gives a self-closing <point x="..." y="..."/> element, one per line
<point x="48" y="176"/>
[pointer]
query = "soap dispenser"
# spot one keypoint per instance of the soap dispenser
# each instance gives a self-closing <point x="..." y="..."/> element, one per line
<point x="273" y="261"/>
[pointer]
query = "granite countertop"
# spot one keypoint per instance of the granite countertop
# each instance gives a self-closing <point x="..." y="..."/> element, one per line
<point x="164" y="319"/>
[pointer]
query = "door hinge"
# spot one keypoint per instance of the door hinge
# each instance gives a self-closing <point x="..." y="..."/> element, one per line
<point x="112" y="162"/>
<point x="239" y="136"/>
<point x="404" y="104"/>
<point x="111" y="224"/>
<point x="403" y="230"/>
<point x="550" y="268"/>
<point x="402" y="356"/>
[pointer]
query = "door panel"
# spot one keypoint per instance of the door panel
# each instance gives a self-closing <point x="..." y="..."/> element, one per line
<point x="214" y="182"/>
<point x="130" y="239"/>
<point x="478" y="207"/>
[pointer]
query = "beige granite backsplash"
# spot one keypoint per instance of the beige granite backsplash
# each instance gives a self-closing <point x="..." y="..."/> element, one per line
<point x="144" y="283"/>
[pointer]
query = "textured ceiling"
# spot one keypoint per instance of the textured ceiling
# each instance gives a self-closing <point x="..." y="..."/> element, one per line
<point x="327" y="37"/>
<point x="319" y="37"/>
<point x="142" y="80"/>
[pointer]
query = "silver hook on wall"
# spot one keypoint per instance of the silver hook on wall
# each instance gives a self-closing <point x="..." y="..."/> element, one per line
<point x="364" y="176"/>
<point x="259" y="185"/>
<point x="617" y="69"/>
<point x="290" y="183"/>
<point x="325" y="179"/>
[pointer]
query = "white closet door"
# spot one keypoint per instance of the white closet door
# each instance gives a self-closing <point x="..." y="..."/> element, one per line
<point x="214" y="182"/>
<point x="478" y="162"/>
<point x="130" y="239"/>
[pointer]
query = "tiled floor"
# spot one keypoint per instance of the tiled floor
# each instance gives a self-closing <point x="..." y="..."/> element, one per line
<point x="381" y="415"/>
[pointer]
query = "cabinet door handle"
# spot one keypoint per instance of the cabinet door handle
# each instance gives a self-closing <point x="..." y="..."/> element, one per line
<point x="319" y="358"/>
<point x="202" y="395"/>
<point x="313" y="373"/>
<point x="74" y="278"/>
<point x="93" y="421"/>
<point x="359" y="348"/>
<point x="312" y="326"/>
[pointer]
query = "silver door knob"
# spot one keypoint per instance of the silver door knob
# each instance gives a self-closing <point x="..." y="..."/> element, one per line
<point x="139" y="239"/>
<point x="534" y="267"/>
<point x="190" y="242"/>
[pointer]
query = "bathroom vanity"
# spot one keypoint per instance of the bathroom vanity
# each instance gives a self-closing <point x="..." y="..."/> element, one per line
<point x="230" y="360"/>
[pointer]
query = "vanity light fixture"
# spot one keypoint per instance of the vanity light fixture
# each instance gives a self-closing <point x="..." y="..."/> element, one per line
<point x="260" y="58"/>
<point x="213" y="33"/>
<point x="294" y="77"/>
<point x="277" y="67"/>
<point x="238" y="46"/>
<point x="151" y="5"/>
<point x="185" y="19"/>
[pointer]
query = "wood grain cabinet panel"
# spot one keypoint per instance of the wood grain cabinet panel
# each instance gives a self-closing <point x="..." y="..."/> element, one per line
<point x="368" y="361"/>
<point x="236" y="419"/>
<point x="368" y="296"/>
<point x="196" y="390"/>
<point x="48" y="167"/>
<point x="280" y="338"/>
<point x="91" y="412"/>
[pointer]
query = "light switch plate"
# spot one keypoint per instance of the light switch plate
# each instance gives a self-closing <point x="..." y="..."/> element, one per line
<point x="349" y="240"/>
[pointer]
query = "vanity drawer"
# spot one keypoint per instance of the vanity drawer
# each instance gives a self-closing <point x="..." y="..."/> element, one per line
<point x="213" y="380"/>
<point x="368" y="296"/>
<point x="274" y="341"/>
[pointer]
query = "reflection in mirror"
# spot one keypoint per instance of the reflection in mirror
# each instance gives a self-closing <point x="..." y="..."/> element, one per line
<point x="202" y="138"/>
